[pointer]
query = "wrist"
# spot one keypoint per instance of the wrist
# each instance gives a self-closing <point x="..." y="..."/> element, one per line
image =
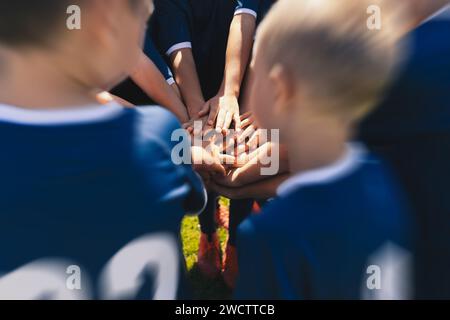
<point x="194" y="107"/>
<point x="232" y="93"/>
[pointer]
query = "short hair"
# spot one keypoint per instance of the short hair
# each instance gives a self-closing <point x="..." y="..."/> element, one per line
<point x="35" y="22"/>
<point x="327" y="46"/>
<point x="28" y="23"/>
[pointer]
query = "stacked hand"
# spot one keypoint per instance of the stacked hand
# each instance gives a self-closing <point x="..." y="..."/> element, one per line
<point x="221" y="112"/>
<point x="231" y="165"/>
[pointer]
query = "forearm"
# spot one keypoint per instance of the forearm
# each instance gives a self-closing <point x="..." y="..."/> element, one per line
<point x="252" y="162"/>
<point x="152" y="82"/>
<point x="106" y="97"/>
<point x="264" y="189"/>
<point x="240" y="44"/>
<point x="185" y="72"/>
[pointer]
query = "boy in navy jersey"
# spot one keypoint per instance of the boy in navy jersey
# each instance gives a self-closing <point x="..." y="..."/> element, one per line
<point x="340" y="221"/>
<point x="224" y="109"/>
<point x="193" y="37"/>
<point x="411" y="130"/>
<point x="86" y="189"/>
<point x="209" y="59"/>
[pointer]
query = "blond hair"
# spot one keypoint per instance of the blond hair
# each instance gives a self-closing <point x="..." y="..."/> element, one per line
<point x="328" y="48"/>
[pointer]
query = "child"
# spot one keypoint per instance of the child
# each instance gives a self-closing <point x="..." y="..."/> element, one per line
<point x="225" y="108"/>
<point x="85" y="187"/>
<point x="210" y="58"/>
<point x="193" y="36"/>
<point x="317" y="70"/>
<point x="411" y="129"/>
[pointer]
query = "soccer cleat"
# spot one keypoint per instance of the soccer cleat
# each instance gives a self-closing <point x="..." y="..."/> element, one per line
<point x="209" y="262"/>
<point x="231" y="268"/>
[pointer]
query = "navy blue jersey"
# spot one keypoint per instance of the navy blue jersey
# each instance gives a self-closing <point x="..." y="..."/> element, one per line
<point x="202" y="25"/>
<point x="151" y="51"/>
<point x="129" y="90"/>
<point x="93" y="189"/>
<point x="411" y="129"/>
<point x="256" y="8"/>
<point x="325" y="234"/>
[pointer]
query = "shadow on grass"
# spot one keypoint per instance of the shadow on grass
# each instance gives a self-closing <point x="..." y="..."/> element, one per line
<point x="207" y="289"/>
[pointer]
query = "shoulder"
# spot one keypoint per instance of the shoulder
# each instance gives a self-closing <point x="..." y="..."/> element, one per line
<point x="156" y="122"/>
<point x="158" y="133"/>
<point x="270" y="221"/>
<point x="375" y="173"/>
<point x="153" y="130"/>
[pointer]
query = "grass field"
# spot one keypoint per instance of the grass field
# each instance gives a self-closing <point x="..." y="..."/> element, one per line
<point x="202" y="288"/>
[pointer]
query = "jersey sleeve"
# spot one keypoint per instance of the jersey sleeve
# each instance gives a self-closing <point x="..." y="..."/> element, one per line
<point x="250" y="7"/>
<point x="151" y="52"/>
<point x="174" y="182"/>
<point x="171" y="24"/>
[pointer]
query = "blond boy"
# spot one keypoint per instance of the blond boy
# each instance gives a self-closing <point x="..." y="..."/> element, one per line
<point x="318" y="69"/>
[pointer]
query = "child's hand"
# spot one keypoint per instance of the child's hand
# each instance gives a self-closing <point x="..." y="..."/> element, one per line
<point x="207" y="164"/>
<point x="222" y="112"/>
<point x="192" y="129"/>
<point x="262" y="189"/>
<point x="251" y="135"/>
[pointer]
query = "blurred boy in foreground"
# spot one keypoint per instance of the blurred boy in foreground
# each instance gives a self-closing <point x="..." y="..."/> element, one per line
<point x="81" y="181"/>
<point x="318" y="70"/>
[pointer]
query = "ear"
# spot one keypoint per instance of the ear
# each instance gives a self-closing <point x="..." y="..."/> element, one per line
<point x="283" y="85"/>
<point x="103" y="20"/>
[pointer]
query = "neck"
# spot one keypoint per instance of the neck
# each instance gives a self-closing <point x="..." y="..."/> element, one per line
<point x="34" y="81"/>
<point x="317" y="144"/>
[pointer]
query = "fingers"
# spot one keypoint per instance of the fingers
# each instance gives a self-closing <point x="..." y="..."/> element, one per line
<point x="237" y="121"/>
<point x="242" y="160"/>
<point x="227" y="121"/>
<point x="221" y="120"/>
<point x="248" y="132"/>
<point x="212" y="117"/>
<point x="229" y="144"/>
<point x="188" y="127"/>
<point x="205" y="110"/>
<point x="228" y="118"/>
<point x="257" y="139"/>
<point x="245" y="122"/>
<point x="227" y="159"/>
<point x="246" y="115"/>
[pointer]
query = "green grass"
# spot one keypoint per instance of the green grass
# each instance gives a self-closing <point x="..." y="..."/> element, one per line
<point x="202" y="287"/>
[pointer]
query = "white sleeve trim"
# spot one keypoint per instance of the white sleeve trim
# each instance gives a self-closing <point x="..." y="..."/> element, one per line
<point x="179" y="46"/>
<point x="72" y="115"/>
<point x="170" y="81"/>
<point x="246" y="11"/>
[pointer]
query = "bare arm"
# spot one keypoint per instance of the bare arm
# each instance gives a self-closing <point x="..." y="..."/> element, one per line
<point x="251" y="171"/>
<point x="224" y="108"/>
<point x="240" y="44"/>
<point x="260" y="190"/>
<point x="152" y="82"/>
<point x="185" y="71"/>
<point x="106" y="97"/>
